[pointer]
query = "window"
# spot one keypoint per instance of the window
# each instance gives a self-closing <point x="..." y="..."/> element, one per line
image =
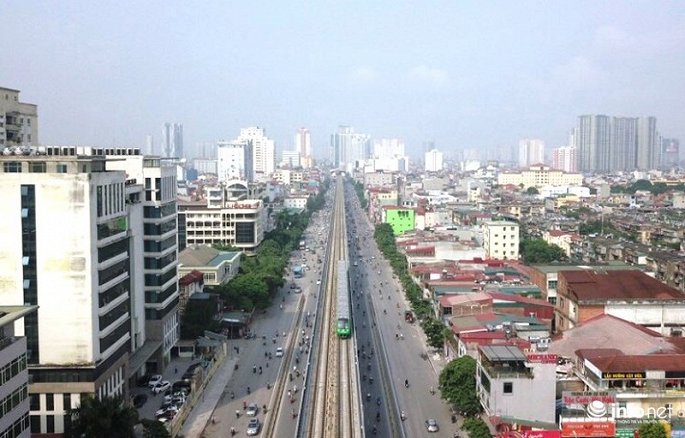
<point x="66" y="401"/>
<point x="12" y="167"/>
<point x="34" y="402"/>
<point x="508" y="388"/>
<point x="50" y="423"/>
<point x="37" y="167"/>
<point x="61" y="168"/>
<point x="50" y="402"/>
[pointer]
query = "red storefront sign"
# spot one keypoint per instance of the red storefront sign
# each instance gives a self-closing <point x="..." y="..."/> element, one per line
<point x="594" y="429"/>
<point x="541" y="434"/>
<point x="542" y="357"/>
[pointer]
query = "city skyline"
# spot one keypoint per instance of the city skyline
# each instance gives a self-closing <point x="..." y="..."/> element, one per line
<point x="528" y="69"/>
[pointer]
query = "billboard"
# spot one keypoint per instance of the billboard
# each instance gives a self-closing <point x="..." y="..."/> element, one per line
<point x="588" y="429"/>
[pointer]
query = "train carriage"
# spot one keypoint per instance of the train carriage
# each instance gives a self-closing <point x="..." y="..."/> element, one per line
<point x="343" y="311"/>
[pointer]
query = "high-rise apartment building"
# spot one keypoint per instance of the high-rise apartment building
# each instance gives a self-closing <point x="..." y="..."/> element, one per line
<point x="349" y="147"/>
<point x="291" y="159"/>
<point x="648" y="148"/>
<point x="433" y="161"/>
<point x="67" y="249"/>
<point x="303" y="146"/>
<point x="235" y="161"/>
<point x="18" y="120"/>
<point x="531" y="151"/>
<point x="14" y="390"/>
<point x="263" y="151"/>
<point x="670" y="152"/>
<point x="593" y="143"/>
<point x="607" y="144"/>
<point x="172" y="140"/>
<point x="388" y="148"/>
<point x="564" y="158"/>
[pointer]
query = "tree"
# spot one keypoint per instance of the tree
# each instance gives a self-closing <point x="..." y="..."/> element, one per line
<point x="458" y="385"/>
<point x="476" y="428"/>
<point x="532" y="191"/>
<point x="109" y="416"/>
<point x="652" y="430"/>
<point x="154" y="429"/>
<point x="435" y="331"/>
<point x="198" y="316"/>
<point x="539" y="251"/>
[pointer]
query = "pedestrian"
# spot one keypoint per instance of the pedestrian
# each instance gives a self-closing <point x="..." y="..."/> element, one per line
<point x="175" y="370"/>
<point x="244" y="404"/>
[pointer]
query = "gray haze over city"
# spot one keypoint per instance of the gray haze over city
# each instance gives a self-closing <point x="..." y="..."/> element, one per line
<point x="463" y="74"/>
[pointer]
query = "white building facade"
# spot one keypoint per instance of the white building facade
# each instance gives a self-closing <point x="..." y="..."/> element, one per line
<point x="531" y="151"/>
<point x="235" y="161"/>
<point x="303" y="146"/>
<point x="263" y="151"/>
<point x="18" y="120"/>
<point x="433" y="161"/>
<point x="501" y="240"/>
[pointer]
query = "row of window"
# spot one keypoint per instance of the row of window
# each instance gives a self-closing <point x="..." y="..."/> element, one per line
<point x="32" y="167"/>
<point x="110" y="199"/>
<point x="12" y="369"/>
<point x="17" y="428"/>
<point x="13" y="400"/>
<point x="504" y="236"/>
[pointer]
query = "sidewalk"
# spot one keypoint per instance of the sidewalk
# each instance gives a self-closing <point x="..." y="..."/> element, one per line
<point x="213" y="391"/>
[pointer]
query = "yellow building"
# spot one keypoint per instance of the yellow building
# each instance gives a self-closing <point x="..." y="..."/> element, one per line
<point x="540" y="175"/>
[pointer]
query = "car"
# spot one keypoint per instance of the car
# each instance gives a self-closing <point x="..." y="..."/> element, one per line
<point x="279" y="352"/>
<point x="165" y="410"/>
<point x="252" y="410"/>
<point x="253" y="427"/>
<point x="154" y="380"/>
<point x="432" y="425"/>
<point x="139" y="400"/>
<point x="161" y="387"/>
<point x="318" y="282"/>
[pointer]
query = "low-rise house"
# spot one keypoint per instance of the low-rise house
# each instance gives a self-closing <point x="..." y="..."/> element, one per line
<point x="630" y="295"/>
<point x="217" y="267"/>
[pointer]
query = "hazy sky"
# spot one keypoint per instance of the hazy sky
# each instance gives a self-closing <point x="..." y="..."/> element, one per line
<point x="468" y="74"/>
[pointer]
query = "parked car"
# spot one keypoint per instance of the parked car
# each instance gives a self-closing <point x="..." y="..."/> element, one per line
<point x="164" y="410"/>
<point x="279" y="352"/>
<point x="252" y="410"/>
<point x="154" y="380"/>
<point x="139" y="400"/>
<point x="253" y="427"/>
<point x="432" y="425"/>
<point x="161" y="387"/>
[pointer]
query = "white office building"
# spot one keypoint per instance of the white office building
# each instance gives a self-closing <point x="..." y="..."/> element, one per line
<point x="349" y="148"/>
<point x="235" y="160"/>
<point x="303" y="146"/>
<point x="501" y="240"/>
<point x="433" y="161"/>
<point x="67" y="250"/>
<point x="291" y="159"/>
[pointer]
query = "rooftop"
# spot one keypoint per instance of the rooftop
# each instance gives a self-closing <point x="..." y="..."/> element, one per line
<point x="204" y="255"/>
<point x="501" y="353"/>
<point x="607" y="331"/>
<point x="618" y="285"/>
<point x="611" y="266"/>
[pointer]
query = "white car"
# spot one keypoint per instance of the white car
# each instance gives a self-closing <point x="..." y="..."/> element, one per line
<point x="155" y="379"/>
<point x="161" y="387"/>
<point x="253" y="427"/>
<point x="279" y="352"/>
<point x="252" y="410"/>
<point x="432" y="425"/>
<point x="318" y="282"/>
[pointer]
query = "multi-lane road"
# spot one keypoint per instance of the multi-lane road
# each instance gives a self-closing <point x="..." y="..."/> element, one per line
<point x="371" y="399"/>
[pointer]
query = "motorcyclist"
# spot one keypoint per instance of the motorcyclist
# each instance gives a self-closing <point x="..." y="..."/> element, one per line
<point x="406" y="383"/>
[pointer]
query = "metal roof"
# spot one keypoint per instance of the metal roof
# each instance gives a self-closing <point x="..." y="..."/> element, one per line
<point x="502" y="353"/>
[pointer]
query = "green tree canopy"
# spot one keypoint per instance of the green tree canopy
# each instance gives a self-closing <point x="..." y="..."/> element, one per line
<point x="477" y="428"/>
<point x="154" y="429"/>
<point x="109" y="416"/>
<point x="532" y="191"/>
<point x="458" y="385"/>
<point x="435" y="331"/>
<point x="652" y="430"/>
<point x="539" y="251"/>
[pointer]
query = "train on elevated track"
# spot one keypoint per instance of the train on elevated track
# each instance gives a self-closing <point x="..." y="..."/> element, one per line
<point x="343" y="310"/>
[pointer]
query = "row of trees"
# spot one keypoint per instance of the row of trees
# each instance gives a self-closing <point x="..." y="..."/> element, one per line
<point x="359" y="189"/>
<point x="434" y="329"/>
<point x="646" y="185"/>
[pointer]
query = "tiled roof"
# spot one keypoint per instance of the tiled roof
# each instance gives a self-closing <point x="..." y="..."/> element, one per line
<point x="618" y="285"/>
<point x="623" y="363"/>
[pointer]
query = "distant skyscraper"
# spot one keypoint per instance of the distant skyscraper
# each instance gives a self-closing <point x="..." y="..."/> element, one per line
<point x="149" y="144"/>
<point x="670" y="152"/>
<point x="291" y="159"/>
<point x="531" y="151"/>
<point x="172" y="140"/>
<point x="622" y="154"/>
<point x="648" y="154"/>
<point x="349" y="146"/>
<point x="593" y="143"/>
<point x="303" y="146"/>
<point x="428" y="145"/>
<point x="388" y="148"/>
<point x="433" y="162"/>
<point x="18" y="120"/>
<point x="263" y="151"/>
<point x="564" y="158"/>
